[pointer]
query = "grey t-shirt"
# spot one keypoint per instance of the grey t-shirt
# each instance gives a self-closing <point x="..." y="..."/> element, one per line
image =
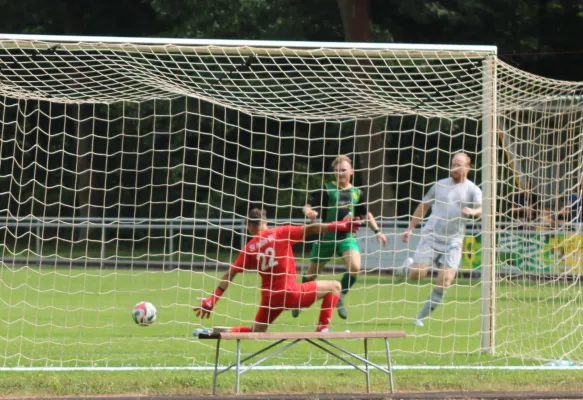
<point x="446" y="224"/>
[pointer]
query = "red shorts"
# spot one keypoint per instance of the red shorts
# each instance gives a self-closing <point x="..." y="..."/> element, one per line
<point x="302" y="296"/>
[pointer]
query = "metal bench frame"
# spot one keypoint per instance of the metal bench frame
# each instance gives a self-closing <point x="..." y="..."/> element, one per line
<point x="317" y="339"/>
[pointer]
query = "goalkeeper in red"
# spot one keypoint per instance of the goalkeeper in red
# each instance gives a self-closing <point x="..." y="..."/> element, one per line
<point x="270" y="254"/>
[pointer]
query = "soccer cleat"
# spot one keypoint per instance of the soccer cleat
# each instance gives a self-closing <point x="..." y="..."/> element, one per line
<point x="221" y="329"/>
<point x="342" y="313"/>
<point x="296" y="312"/>
<point x="198" y="331"/>
<point x="400" y="273"/>
<point x="322" y="329"/>
<point x="418" y="322"/>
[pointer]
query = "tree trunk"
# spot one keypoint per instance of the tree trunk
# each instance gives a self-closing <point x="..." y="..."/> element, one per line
<point x="84" y="128"/>
<point x="370" y="141"/>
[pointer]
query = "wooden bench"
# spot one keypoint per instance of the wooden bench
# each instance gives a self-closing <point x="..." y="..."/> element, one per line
<point x="317" y="339"/>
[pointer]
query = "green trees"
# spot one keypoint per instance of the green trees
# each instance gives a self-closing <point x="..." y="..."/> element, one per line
<point x="516" y="26"/>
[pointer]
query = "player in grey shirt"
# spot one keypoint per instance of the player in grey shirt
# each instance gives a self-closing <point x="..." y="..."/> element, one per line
<point x="452" y="201"/>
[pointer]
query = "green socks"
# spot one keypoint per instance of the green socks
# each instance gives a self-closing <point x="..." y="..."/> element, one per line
<point x="347" y="282"/>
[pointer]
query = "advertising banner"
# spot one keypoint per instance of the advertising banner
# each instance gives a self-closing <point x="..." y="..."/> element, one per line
<point x="530" y="251"/>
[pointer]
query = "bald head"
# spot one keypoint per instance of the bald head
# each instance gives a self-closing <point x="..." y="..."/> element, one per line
<point x="463" y="156"/>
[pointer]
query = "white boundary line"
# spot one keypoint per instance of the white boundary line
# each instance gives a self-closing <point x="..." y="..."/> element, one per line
<point x="247" y="43"/>
<point x="297" y="368"/>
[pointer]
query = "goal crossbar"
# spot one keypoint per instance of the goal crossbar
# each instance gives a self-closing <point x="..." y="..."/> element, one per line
<point x="172" y="43"/>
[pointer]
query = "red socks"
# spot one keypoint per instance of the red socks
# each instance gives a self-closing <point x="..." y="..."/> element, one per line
<point x="328" y="305"/>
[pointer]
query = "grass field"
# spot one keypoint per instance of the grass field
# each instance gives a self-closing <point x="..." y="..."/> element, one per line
<point x="76" y="317"/>
<point x="183" y="383"/>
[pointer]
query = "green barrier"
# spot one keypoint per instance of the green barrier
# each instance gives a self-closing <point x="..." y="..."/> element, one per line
<point x="529" y="251"/>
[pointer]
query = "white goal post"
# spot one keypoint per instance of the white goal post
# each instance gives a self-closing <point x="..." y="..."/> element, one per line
<point x="128" y="165"/>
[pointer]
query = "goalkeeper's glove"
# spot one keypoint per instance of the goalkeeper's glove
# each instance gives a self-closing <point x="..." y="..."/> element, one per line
<point x="346" y="225"/>
<point x="207" y="305"/>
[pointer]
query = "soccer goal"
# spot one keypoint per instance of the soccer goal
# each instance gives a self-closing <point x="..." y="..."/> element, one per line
<point x="128" y="166"/>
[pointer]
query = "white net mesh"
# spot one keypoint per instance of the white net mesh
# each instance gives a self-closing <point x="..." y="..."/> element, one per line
<point x="127" y="169"/>
<point x="540" y="232"/>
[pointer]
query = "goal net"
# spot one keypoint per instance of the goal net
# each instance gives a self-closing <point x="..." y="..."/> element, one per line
<point x="128" y="166"/>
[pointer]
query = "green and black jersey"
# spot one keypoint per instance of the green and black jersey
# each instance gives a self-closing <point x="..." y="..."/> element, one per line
<point x="335" y="204"/>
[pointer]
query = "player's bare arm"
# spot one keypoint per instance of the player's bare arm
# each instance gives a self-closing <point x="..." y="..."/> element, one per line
<point x="472" y="212"/>
<point x="370" y="222"/>
<point x="310" y="212"/>
<point x="418" y="215"/>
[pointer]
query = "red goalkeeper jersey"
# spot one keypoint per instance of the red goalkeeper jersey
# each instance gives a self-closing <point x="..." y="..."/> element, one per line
<point x="270" y="254"/>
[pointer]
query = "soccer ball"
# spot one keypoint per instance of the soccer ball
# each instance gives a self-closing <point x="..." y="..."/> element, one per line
<point x="144" y="313"/>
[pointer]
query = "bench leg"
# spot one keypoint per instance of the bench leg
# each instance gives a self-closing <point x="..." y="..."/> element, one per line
<point x="389" y="365"/>
<point x="216" y="367"/>
<point x="359" y="358"/>
<point x="238" y="367"/>
<point x="366" y="365"/>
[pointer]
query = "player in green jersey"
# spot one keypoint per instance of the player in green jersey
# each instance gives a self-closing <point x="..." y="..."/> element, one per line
<point x="336" y="201"/>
